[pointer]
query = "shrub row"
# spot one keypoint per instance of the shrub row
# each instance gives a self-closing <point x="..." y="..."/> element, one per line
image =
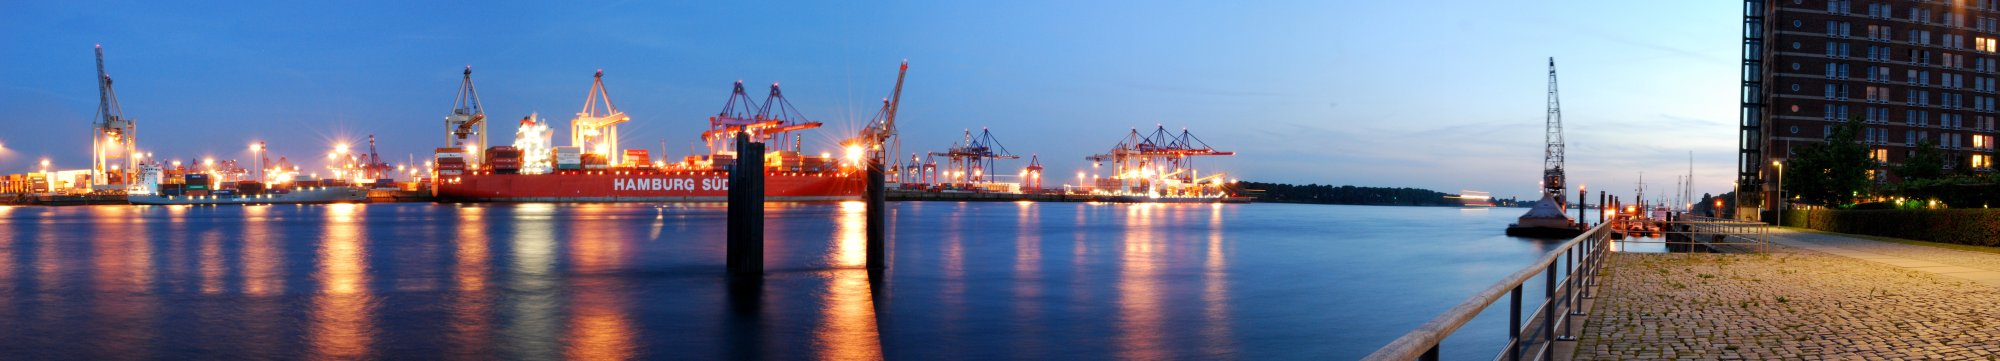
<point x="1961" y="226"/>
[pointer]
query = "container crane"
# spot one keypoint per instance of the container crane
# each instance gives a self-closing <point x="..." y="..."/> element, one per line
<point x="971" y="161"/>
<point x="1159" y="163"/>
<point x="595" y="129"/>
<point x="774" y="119"/>
<point x="372" y="166"/>
<point x="467" y="120"/>
<point x="113" y="136"/>
<point x="878" y="140"/>
<point x="1031" y="176"/>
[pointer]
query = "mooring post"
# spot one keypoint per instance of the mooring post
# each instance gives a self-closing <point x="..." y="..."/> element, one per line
<point x="1581" y="196"/>
<point x="1601" y="197"/>
<point x="746" y="208"/>
<point x="878" y="209"/>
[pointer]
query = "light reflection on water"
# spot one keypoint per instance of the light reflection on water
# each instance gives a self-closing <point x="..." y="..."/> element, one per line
<point x="541" y="281"/>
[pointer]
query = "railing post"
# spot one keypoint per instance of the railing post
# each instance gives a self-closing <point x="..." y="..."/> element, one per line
<point x="1431" y="355"/>
<point x="1569" y="298"/>
<point x="1549" y="312"/>
<point x="1514" y="325"/>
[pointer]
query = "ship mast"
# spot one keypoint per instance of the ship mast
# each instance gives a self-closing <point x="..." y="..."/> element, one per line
<point x="1552" y="156"/>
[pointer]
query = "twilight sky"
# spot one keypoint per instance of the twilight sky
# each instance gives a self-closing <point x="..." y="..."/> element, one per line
<point x="1446" y="95"/>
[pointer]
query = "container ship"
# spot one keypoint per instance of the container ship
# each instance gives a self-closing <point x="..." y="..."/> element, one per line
<point x="592" y="169"/>
<point x="221" y="185"/>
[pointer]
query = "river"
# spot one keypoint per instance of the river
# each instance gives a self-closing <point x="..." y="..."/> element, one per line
<point x="647" y="281"/>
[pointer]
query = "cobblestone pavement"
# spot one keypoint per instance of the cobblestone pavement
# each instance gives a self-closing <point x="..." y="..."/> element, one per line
<point x="1789" y="304"/>
<point x="1984" y="261"/>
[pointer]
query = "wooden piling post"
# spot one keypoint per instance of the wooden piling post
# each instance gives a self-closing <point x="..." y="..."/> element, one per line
<point x="1601" y="197"/>
<point x="877" y="214"/>
<point x="746" y="208"/>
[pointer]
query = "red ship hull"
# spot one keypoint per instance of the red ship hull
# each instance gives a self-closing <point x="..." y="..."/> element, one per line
<point x="615" y="186"/>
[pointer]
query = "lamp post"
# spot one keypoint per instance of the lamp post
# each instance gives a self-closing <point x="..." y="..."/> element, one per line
<point x="1778" y="213"/>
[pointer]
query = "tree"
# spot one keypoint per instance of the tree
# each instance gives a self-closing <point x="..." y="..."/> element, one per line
<point x="1831" y="173"/>
<point x="1928" y="163"/>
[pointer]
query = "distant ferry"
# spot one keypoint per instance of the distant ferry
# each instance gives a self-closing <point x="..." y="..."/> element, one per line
<point x="1474" y="199"/>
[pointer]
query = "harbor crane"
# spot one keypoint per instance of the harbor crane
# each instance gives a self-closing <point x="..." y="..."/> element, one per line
<point x="1031" y="176"/>
<point x="114" y="137"/>
<point x="878" y="139"/>
<point x="1552" y="155"/>
<point x="971" y="161"/>
<point x="595" y="129"/>
<point x="373" y="167"/>
<point x="467" y="120"/>
<point x="774" y="119"/>
<point x="1158" y="163"/>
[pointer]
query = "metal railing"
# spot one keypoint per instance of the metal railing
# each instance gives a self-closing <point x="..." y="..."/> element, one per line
<point x="1705" y="231"/>
<point x="1580" y="256"/>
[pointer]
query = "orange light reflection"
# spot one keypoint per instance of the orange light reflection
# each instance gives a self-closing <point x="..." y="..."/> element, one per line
<point x="340" y="327"/>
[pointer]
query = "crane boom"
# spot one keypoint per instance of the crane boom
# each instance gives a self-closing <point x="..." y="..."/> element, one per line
<point x="103" y="90"/>
<point x="895" y="98"/>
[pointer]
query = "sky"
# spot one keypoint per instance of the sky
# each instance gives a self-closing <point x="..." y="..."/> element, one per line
<point x="1446" y="95"/>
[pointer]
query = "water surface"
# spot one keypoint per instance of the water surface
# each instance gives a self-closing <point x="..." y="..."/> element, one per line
<point x="541" y="281"/>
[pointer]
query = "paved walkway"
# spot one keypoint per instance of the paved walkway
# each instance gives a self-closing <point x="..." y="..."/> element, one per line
<point x="1973" y="266"/>
<point x="1814" y="296"/>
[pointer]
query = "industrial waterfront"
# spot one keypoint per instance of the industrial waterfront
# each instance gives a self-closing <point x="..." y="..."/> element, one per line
<point x="527" y="281"/>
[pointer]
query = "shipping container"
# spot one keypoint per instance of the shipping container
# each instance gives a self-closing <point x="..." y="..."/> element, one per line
<point x="250" y="187"/>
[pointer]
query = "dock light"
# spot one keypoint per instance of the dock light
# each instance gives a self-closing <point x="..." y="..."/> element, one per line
<point x="854" y="154"/>
<point x="340" y="148"/>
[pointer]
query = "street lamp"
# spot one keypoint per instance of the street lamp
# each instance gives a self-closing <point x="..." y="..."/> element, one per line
<point x="1778" y="215"/>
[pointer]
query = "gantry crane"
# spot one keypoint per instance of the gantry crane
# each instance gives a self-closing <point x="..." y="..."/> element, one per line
<point x="467" y="120"/>
<point x="372" y="165"/>
<point x="1159" y="163"/>
<point x="878" y="140"/>
<point x="775" y="119"/>
<point x="595" y="129"/>
<point x="113" y="137"/>
<point x="972" y="160"/>
<point x="1031" y="176"/>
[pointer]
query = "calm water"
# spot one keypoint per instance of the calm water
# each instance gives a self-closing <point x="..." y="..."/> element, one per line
<point x="537" y="281"/>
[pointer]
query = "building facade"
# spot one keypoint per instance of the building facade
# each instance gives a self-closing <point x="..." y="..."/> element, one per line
<point x="1915" y="71"/>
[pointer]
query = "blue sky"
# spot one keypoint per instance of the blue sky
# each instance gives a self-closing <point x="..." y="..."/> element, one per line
<point x="1445" y="95"/>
